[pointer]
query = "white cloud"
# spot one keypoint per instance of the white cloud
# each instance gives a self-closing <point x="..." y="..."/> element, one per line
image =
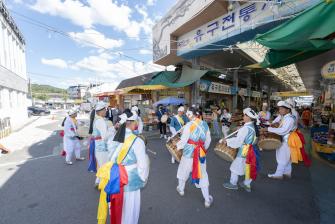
<point x="95" y="39"/>
<point x="145" y="51"/>
<point x="57" y="62"/>
<point x="97" y="12"/>
<point x="151" y="2"/>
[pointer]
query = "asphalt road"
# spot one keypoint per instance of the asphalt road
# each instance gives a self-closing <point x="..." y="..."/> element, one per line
<point x="44" y="190"/>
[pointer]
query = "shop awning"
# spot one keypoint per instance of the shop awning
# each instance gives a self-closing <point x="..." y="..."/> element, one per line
<point x="174" y="80"/>
<point x="309" y="34"/>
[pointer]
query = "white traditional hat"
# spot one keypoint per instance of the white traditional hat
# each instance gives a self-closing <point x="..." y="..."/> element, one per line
<point x="134" y="117"/>
<point x="181" y="109"/>
<point x="134" y="108"/>
<point x="189" y="113"/>
<point x="72" y="112"/>
<point x="291" y="102"/>
<point x="123" y="118"/>
<point x="284" y="104"/>
<point x="250" y="113"/>
<point x="100" y="106"/>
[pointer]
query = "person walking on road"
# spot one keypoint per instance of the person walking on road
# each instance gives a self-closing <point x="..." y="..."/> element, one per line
<point x="162" y="113"/>
<point x="71" y="138"/>
<point x="306" y="117"/>
<point x="215" y="117"/>
<point x="124" y="176"/>
<point x="225" y="119"/>
<point x="194" y="142"/>
<point x="139" y="129"/>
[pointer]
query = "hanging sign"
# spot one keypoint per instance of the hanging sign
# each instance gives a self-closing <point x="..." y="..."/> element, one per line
<point x="292" y="93"/>
<point x="214" y="87"/>
<point x="328" y="70"/>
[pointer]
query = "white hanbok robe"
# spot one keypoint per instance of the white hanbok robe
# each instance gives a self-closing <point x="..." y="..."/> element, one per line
<point x="283" y="154"/>
<point x="186" y="164"/>
<point x="71" y="143"/>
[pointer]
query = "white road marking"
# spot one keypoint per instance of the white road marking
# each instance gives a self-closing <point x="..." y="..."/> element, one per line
<point x="155" y="153"/>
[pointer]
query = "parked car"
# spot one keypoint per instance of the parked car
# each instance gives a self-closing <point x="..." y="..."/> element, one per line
<point x="38" y="111"/>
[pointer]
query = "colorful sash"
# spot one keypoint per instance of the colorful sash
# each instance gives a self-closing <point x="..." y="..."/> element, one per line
<point x="252" y="161"/>
<point x="296" y="142"/>
<point x="92" y="163"/>
<point x="199" y="156"/>
<point x="113" y="178"/>
<point x="180" y="120"/>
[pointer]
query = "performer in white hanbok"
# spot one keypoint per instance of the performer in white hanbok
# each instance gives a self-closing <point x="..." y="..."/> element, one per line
<point x="225" y="120"/>
<point x="101" y="134"/>
<point x="246" y="161"/>
<point x="194" y="142"/>
<point x="71" y="138"/>
<point x="124" y="176"/>
<point x="177" y="122"/>
<point x="139" y="129"/>
<point x="294" y="112"/>
<point x="283" y="154"/>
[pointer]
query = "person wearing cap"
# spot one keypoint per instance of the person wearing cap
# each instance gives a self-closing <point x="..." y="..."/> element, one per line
<point x="71" y="138"/>
<point x="264" y="115"/>
<point x="124" y="176"/>
<point x="245" y="163"/>
<point x="177" y="122"/>
<point x="100" y="136"/>
<point x="283" y="154"/>
<point x="139" y="128"/>
<point x="225" y="119"/>
<point x="194" y="142"/>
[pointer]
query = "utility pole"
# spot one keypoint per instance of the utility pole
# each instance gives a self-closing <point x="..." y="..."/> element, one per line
<point x="31" y="92"/>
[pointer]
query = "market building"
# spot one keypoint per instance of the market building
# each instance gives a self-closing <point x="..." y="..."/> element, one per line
<point x="217" y="35"/>
<point x="13" y="75"/>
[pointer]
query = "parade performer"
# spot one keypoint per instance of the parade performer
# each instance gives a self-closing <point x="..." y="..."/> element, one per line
<point x="139" y="128"/>
<point x="177" y="122"/>
<point x="283" y="154"/>
<point x="225" y="119"/>
<point x="194" y="142"/>
<point x="295" y="114"/>
<point x="71" y="138"/>
<point x="264" y="115"/>
<point x="246" y="161"/>
<point x="98" y="143"/>
<point x="123" y="177"/>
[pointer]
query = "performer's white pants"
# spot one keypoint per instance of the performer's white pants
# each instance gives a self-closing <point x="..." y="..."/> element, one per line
<point x="283" y="157"/>
<point x="237" y="168"/>
<point x="184" y="171"/>
<point x="101" y="158"/>
<point x="131" y="207"/>
<point x="234" y="179"/>
<point x="70" y="146"/>
<point x="225" y="130"/>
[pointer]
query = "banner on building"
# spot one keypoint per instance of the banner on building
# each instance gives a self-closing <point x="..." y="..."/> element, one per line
<point x="292" y="93"/>
<point x="214" y="87"/>
<point x="328" y="70"/>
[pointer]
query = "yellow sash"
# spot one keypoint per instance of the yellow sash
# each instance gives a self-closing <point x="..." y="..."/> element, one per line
<point x="125" y="148"/>
<point x="75" y="122"/>
<point x="181" y="121"/>
<point x="195" y="125"/>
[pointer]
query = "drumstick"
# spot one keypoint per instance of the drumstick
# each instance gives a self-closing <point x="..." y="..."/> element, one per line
<point x="230" y="135"/>
<point x="155" y="153"/>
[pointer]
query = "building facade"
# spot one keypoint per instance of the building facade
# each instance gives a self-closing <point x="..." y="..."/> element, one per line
<point x="13" y="75"/>
<point x="77" y="92"/>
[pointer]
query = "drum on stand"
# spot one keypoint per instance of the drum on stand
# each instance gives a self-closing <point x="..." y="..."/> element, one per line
<point x="269" y="141"/>
<point x="171" y="146"/>
<point x="225" y="152"/>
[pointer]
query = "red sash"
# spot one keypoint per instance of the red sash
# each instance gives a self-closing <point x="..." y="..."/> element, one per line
<point x="197" y="159"/>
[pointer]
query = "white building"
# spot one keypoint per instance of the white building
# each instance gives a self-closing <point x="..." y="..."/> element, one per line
<point x="77" y="92"/>
<point x="13" y="75"/>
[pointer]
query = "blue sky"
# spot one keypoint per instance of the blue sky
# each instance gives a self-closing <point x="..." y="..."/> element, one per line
<point x="98" y="37"/>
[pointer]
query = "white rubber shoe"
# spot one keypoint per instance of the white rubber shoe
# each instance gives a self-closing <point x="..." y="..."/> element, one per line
<point x="210" y="202"/>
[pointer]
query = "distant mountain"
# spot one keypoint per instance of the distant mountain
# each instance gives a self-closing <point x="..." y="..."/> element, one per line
<point x="36" y="88"/>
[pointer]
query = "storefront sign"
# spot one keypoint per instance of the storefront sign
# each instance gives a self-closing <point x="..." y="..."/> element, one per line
<point x="328" y="71"/>
<point x="292" y="93"/>
<point x="255" y="94"/>
<point x="244" y="18"/>
<point x="214" y="87"/>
